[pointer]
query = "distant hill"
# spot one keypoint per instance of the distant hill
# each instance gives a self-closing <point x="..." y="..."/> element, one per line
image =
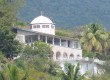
<point x="68" y="13"/>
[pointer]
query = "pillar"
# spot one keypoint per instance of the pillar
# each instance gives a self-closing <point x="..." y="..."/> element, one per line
<point x="60" y="42"/>
<point x="38" y="36"/>
<point x="66" y="43"/>
<point x="45" y="39"/>
<point x="23" y="38"/>
<point x="31" y="40"/>
<point x="53" y="40"/>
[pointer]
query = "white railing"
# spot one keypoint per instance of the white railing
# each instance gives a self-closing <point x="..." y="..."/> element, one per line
<point x="81" y="59"/>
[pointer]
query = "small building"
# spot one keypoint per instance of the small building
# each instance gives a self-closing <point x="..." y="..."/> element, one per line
<point x="63" y="48"/>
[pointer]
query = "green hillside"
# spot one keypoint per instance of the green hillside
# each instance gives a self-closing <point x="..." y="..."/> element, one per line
<point x="68" y="13"/>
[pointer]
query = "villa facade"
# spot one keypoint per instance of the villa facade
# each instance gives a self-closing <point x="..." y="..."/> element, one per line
<point x="42" y="28"/>
<point x="64" y="49"/>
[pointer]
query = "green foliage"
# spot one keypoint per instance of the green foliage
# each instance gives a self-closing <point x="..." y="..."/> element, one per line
<point x="3" y="60"/>
<point x="68" y="14"/>
<point x="37" y="56"/>
<point x="8" y="11"/>
<point x="28" y="50"/>
<point x="41" y="64"/>
<point x="102" y="77"/>
<point x="94" y="38"/>
<point x="66" y="33"/>
<point x="106" y="67"/>
<point x="54" y="69"/>
<point x="11" y="72"/>
<point x="88" y="54"/>
<point x="36" y="59"/>
<point x="8" y="45"/>
<point x="39" y="48"/>
<point x="72" y="72"/>
<point x="42" y="49"/>
<point x="20" y="63"/>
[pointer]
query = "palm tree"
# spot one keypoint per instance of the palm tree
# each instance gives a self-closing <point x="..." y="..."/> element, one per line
<point x="72" y="72"/>
<point x="94" y="38"/>
<point x="12" y="72"/>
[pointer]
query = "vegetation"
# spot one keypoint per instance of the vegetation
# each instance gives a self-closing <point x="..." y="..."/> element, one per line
<point x="35" y="62"/>
<point x="8" y="45"/>
<point x="12" y="72"/>
<point x="68" y="14"/>
<point x="72" y="72"/>
<point x="66" y="33"/>
<point x="94" y="38"/>
<point x="8" y="10"/>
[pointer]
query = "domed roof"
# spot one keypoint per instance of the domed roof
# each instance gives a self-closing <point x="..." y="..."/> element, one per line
<point x="41" y="19"/>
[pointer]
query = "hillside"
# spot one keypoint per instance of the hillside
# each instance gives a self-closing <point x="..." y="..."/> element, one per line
<point x="68" y="13"/>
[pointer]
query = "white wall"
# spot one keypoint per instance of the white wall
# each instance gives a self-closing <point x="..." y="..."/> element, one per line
<point x="20" y="38"/>
<point x="83" y="66"/>
<point x="45" y="30"/>
<point x="69" y="51"/>
<point x="55" y="48"/>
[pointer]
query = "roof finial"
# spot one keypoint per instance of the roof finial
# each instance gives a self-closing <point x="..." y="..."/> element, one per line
<point x="41" y="13"/>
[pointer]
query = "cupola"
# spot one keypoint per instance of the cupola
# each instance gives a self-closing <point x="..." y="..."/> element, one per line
<point x="43" y="24"/>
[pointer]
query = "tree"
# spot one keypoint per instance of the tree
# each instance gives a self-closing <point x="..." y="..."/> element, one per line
<point x="39" y="48"/>
<point x="8" y="11"/>
<point x="12" y="72"/>
<point x="72" y="72"/>
<point x="94" y="38"/>
<point x="38" y="55"/>
<point x="42" y="49"/>
<point x="8" y="45"/>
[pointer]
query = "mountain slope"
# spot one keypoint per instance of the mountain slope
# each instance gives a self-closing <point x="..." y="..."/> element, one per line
<point x="68" y="13"/>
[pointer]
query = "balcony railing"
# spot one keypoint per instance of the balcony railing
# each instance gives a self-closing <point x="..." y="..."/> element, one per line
<point x="81" y="59"/>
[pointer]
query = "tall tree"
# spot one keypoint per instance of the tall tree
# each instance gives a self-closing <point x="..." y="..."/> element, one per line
<point x="72" y="72"/>
<point x="38" y="55"/>
<point x="8" y="45"/>
<point x="94" y="38"/>
<point x="12" y="72"/>
<point x="8" y="11"/>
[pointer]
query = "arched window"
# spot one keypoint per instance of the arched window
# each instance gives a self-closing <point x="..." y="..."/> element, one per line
<point x="65" y="55"/>
<point x="58" y="55"/>
<point x="71" y="56"/>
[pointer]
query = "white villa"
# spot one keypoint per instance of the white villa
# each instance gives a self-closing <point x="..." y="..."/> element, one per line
<point x="63" y="48"/>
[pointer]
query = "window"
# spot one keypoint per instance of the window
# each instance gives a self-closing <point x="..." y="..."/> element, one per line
<point x="76" y="45"/>
<point x="45" y="26"/>
<point x="36" y="26"/>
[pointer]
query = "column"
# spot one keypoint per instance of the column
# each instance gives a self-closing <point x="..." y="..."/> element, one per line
<point x="66" y="43"/>
<point x="38" y="36"/>
<point x="23" y="38"/>
<point x="45" y="39"/>
<point x="53" y="40"/>
<point x="31" y="26"/>
<point x="60" y="42"/>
